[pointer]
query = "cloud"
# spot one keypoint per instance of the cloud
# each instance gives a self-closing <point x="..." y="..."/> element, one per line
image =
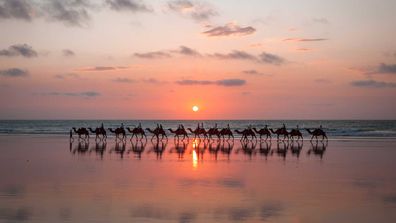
<point x="65" y="76"/>
<point x="153" y="55"/>
<point x="69" y="12"/>
<point x="16" y="214"/>
<point x="187" y="51"/>
<point x="14" y="72"/>
<point x="271" y="59"/>
<point x="223" y="82"/>
<point x="68" y="53"/>
<point x="252" y="72"/>
<point x="101" y="68"/>
<point x="23" y="50"/>
<point x="124" y="80"/>
<point x="373" y="84"/>
<point x="128" y="5"/>
<point x="387" y="68"/>
<point x="305" y="39"/>
<point x="230" y="29"/>
<point x="88" y="94"/>
<point x="17" y="9"/>
<point x="235" y="55"/>
<point x="198" y="11"/>
<point x="321" y="20"/>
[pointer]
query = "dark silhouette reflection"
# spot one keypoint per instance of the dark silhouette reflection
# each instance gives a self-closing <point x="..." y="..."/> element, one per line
<point x="248" y="147"/>
<point x="119" y="148"/>
<point x="82" y="147"/>
<point x="214" y="148"/>
<point x="180" y="148"/>
<point x="137" y="147"/>
<point x="281" y="148"/>
<point x="158" y="147"/>
<point x="226" y="147"/>
<point x="100" y="148"/>
<point x="318" y="148"/>
<point x="200" y="146"/>
<point x="296" y="147"/>
<point x="265" y="148"/>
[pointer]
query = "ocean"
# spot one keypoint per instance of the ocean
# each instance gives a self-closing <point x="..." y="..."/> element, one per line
<point x="335" y="129"/>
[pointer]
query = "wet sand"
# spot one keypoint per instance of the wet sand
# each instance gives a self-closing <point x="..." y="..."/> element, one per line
<point x="47" y="179"/>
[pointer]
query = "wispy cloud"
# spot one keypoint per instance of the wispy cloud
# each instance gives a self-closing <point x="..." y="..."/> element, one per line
<point x="187" y="51"/>
<point x="128" y="5"/>
<point x="153" y="55"/>
<point x="235" y="55"/>
<point x="321" y="20"/>
<point x="23" y="50"/>
<point x="305" y="39"/>
<point x="69" y="12"/>
<point x="68" y="53"/>
<point x="264" y="57"/>
<point x="230" y="29"/>
<point x="269" y="58"/>
<point x="252" y="72"/>
<point x="124" y="80"/>
<point x="87" y="94"/>
<point x="222" y="82"/>
<point x="387" y="68"/>
<point x="373" y="84"/>
<point x="199" y="11"/>
<point x="14" y="72"/>
<point x="101" y="68"/>
<point x="17" y="9"/>
<point x="66" y="76"/>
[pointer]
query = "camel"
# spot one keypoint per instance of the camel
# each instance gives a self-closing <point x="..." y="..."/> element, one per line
<point x="137" y="131"/>
<point x="197" y="132"/>
<point x="81" y="132"/>
<point x="295" y="133"/>
<point x="119" y="132"/>
<point x="99" y="132"/>
<point x="262" y="132"/>
<point x="246" y="133"/>
<point x="226" y="132"/>
<point x="214" y="132"/>
<point x="179" y="132"/>
<point x="157" y="132"/>
<point x="281" y="131"/>
<point x="317" y="132"/>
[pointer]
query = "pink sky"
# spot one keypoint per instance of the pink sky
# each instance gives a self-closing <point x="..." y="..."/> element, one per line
<point x="234" y="59"/>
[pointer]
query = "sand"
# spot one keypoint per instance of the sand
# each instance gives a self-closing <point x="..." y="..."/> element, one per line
<point x="45" y="179"/>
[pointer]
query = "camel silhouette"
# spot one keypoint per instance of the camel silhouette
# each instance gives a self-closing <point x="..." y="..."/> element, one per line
<point x="246" y="133"/>
<point x="214" y="132"/>
<point x="265" y="148"/>
<point x="138" y="147"/>
<point x="158" y="148"/>
<point x="119" y="132"/>
<point x="296" y="147"/>
<point x="295" y="133"/>
<point x="158" y="131"/>
<point x="226" y="132"/>
<point x="279" y="132"/>
<point x="137" y="131"/>
<point x="197" y="132"/>
<point x="179" y="132"/>
<point x="317" y="132"/>
<point x="99" y="132"/>
<point x="262" y="132"/>
<point x="81" y="132"/>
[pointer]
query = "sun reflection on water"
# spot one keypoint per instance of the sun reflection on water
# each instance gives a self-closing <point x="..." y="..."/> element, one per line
<point x="194" y="154"/>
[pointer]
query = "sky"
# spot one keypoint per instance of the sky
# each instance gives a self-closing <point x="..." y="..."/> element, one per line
<point x="156" y="59"/>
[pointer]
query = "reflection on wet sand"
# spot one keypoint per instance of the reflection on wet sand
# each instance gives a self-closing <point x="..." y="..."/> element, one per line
<point x="198" y="147"/>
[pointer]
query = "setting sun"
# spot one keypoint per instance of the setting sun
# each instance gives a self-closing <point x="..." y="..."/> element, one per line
<point x="195" y="108"/>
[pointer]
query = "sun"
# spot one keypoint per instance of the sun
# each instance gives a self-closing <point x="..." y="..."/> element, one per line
<point x="195" y="108"/>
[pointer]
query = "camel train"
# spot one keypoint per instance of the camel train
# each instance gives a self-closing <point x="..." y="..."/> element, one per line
<point x="212" y="133"/>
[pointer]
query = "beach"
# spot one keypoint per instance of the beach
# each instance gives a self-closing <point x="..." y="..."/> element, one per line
<point x="48" y="179"/>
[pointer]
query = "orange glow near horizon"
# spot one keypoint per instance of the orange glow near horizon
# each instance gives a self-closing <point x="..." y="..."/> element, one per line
<point x="195" y="108"/>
